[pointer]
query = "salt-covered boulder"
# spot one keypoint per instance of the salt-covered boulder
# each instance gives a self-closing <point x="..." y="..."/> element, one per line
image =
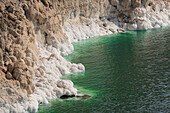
<point x="33" y="105"/>
<point x="65" y="84"/>
<point x="81" y="67"/>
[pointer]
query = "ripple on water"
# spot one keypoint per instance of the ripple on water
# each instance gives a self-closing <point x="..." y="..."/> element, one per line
<point x="127" y="72"/>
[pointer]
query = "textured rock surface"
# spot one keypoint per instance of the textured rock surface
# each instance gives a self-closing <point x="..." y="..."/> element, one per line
<point x="35" y="34"/>
<point x="140" y="14"/>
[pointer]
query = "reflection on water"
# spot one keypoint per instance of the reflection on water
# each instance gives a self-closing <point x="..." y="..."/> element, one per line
<point x="127" y="72"/>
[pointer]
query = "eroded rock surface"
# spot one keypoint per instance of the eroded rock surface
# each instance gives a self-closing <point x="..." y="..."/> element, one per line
<point x="36" y="34"/>
<point x="140" y="14"/>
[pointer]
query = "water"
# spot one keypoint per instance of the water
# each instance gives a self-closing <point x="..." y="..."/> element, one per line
<point x="127" y="72"/>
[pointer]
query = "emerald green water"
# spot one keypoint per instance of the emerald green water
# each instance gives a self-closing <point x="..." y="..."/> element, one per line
<point x="127" y="72"/>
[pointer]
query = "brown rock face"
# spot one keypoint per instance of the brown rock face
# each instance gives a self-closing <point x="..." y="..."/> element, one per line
<point x="14" y="40"/>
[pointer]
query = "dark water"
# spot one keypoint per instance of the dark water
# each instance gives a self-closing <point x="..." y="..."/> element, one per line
<point x="127" y="72"/>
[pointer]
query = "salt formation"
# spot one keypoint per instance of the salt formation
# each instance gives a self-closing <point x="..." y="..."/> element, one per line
<point x="140" y="14"/>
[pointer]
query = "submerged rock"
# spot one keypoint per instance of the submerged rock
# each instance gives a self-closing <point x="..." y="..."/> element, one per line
<point x="67" y="96"/>
<point x="82" y="96"/>
<point x="79" y="96"/>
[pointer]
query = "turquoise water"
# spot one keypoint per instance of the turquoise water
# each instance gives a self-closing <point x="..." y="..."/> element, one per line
<point x="126" y="72"/>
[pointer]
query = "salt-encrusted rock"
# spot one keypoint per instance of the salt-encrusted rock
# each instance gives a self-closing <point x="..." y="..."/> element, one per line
<point x="63" y="70"/>
<point x="120" y="30"/>
<point x="41" y="71"/>
<point x="67" y="92"/>
<point x="74" y="69"/>
<point x="38" y="85"/>
<point x="81" y="67"/>
<point x="132" y="26"/>
<point x="33" y="105"/>
<point x="131" y="12"/>
<point x="59" y="91"/>
<point x="65" y="84"/>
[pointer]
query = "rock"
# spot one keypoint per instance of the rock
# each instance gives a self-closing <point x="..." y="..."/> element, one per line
<point x="12" y="17"/>
<point x="41" y="71"/>
<point x="13" y="58"/>
<point x="112" y="30"/>
<point x="132" y="26"/>
<point x="38" y="85"/>
<point x="65" y="84"/>
<point x="79" y="95"/>
<point x="59" y="91"/>
<point x="67" y="96"/>
<point x="17" y="73"/>
<point x="3" y="69"/>
<point x="13" y="32"/>
<point x="82" y="96"/>
<point x="33" y="105"/>
<point x="25" y="7"/>
<point x="10" y="9"/>
<point x="74" y="69"/>
<point x="9" y="76"/>
<point x="30" y="88"/>
<point x="120" y="30"/>
<point x="7" y="60"/>
<point x="2" y="102"/>
<point x="45" y="2"/>
<point x="2" y="7"/>
<point x="28" y="61"/>
<point x="81" y="67"/>
<point x="1" y="58"/>
<point x="19" y="53"/>
<point x="10" y="67"/>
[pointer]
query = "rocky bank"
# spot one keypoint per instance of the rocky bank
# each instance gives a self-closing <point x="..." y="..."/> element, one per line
<point x="36" y="34"/>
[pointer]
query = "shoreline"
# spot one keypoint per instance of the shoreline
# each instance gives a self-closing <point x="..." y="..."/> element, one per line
<point x="37" y="34"/>
<point x="84" y="70"/>
<point x="87" y="81"/>
<point x="58" y="87"/>
<point x="52" y="87"/>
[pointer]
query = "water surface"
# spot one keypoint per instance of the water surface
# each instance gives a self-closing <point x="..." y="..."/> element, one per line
<point x="127" y="72"/>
